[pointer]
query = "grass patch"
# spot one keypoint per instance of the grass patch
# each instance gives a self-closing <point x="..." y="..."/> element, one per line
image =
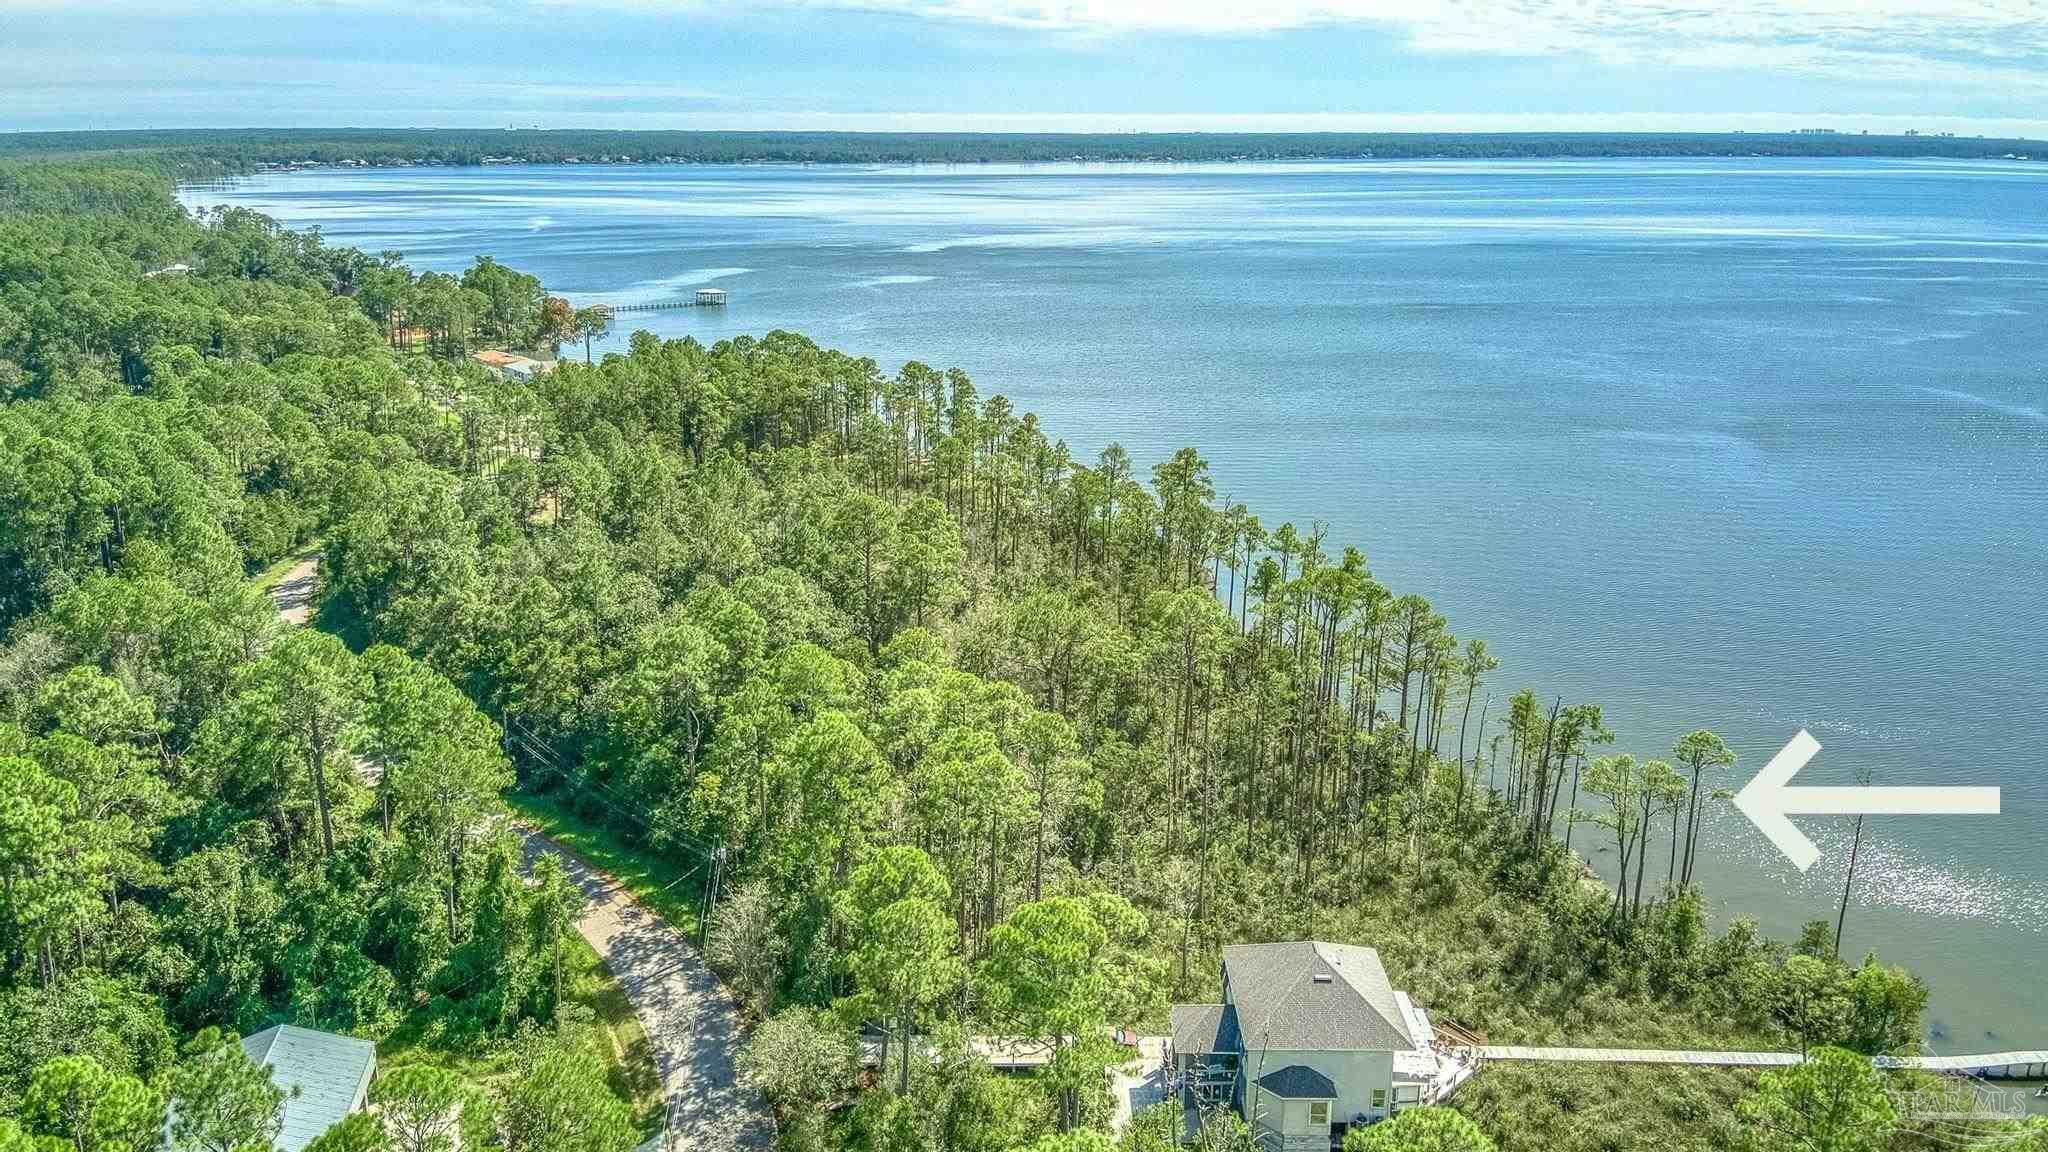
<point x="1587" y="1108"/>
<point x="433" y="1034"/>
<point x="671" y="887"/>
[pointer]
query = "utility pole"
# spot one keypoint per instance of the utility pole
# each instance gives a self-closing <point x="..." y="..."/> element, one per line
<point x="1848" y="886"/>
<point x="714" y="877"/>
<point x="1863" y="777"/>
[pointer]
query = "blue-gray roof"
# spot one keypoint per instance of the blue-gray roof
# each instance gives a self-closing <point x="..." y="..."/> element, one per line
<point x="1313" y="996"/>
<point x="331" y="1073"/>
<point x="1299" y="1082"/>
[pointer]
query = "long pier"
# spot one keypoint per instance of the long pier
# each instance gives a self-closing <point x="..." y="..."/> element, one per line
<point x="661" y="305"/>
<point x="1990" y="1066"/>
<point x="1985" y="1066"/>
<point x="1697" y="1059"/>
<point x="702" y="298"/>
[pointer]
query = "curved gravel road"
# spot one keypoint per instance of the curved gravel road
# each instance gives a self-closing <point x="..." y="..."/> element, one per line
<point x="692" y="1024"/>
<point x="691" y="1021"/>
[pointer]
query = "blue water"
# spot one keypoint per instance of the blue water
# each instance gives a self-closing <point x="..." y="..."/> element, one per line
<point x="1744" y="444"/>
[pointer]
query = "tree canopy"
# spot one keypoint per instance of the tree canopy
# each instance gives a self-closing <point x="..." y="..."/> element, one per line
<point x="967" y="733"/>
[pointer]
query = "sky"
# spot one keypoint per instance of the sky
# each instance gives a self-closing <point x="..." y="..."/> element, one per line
<point x="1968" y="66"/>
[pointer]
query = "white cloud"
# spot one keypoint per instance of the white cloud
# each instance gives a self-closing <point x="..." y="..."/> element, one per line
<point x="1993" y="46"/>
<point x="1929" y="41"/>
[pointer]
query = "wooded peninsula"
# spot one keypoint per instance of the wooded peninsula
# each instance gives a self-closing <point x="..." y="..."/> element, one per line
<point x="963" y="735"/>
<point x="203" y="153"/>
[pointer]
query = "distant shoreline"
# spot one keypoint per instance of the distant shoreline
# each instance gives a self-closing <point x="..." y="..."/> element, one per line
<point x="267" y="169"/>
<point x="288" y="168"/>
<point x="200" y="154"/>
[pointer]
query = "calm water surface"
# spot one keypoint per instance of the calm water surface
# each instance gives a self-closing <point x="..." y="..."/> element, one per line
<point x="1749" y="444"/>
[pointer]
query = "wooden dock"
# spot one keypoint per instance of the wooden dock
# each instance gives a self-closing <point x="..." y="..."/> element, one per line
<point x="701" y="298"/>
<point x="658" y="306"/>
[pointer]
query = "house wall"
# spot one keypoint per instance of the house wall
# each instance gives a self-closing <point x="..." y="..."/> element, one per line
<point x="1289" y="1129"/>
<point x="1295" y="1120"/>
<point x="1274" y="1140"/>
<point x="1355" y="1074"/>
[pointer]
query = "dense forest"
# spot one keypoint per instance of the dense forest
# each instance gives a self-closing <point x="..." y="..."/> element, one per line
<point x="972" y="735"/>
<point x="200" y="153"/>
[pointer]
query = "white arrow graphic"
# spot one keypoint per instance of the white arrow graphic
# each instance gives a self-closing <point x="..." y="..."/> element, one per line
<point x="1769" y="798"/>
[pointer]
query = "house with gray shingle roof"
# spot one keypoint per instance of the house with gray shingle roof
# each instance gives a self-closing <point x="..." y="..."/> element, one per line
<point x="1310" y="1041"/>
<point x="325" y="1077"/>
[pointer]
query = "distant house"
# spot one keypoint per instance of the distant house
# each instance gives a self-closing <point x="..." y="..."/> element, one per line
<point x="1309" y="1041"/>
<point x="510" y="365"/>
<point x="331" y="1074"/>
<point x="169" y="270"/>
<point x="710" y="297"/>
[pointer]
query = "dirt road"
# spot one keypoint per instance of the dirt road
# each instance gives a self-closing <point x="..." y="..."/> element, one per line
<point x="293" y="593"/>
<point x="691" y="1023"/>
<point x="689" y="1018"/>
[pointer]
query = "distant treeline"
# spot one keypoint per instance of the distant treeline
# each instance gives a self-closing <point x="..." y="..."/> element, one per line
<point x="201" y="153"/>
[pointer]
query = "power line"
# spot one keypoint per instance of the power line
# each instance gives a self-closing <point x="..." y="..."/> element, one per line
<point x="519" y="736"/>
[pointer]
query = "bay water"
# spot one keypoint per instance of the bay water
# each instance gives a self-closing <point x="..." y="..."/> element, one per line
<point x="1752" y="445"/>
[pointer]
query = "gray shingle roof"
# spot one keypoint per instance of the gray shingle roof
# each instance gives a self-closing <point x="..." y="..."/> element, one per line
<point x="330" y="1072"/>
<point x="1312" y="996"/>
<point x="1203" y="1028"/>
<point x="1299" y="1082"/>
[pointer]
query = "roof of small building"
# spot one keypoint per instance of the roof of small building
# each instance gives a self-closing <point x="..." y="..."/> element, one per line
<point x="1314" y="996"/>
<point x="498" y="358"/>
<point x="1199" y="1029"/>
<point x="1420" y="1028"/>
<point x="330" y="1072"/>
<point x="1299" y="1082"/>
